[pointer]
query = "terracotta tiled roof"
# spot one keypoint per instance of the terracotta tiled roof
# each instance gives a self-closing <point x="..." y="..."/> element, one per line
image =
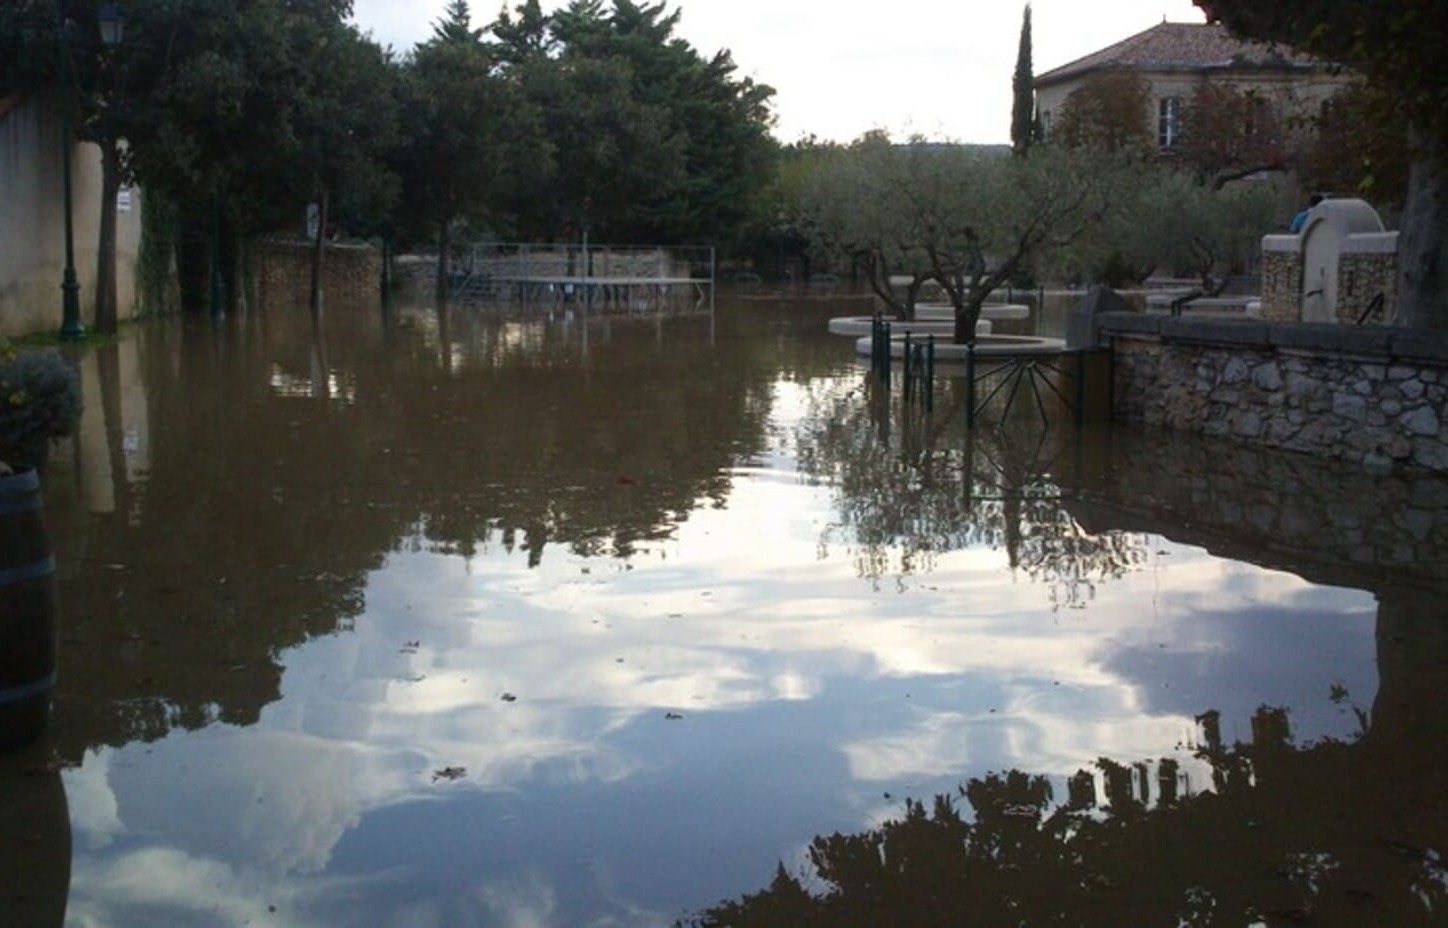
<point x="1181" y="46"/>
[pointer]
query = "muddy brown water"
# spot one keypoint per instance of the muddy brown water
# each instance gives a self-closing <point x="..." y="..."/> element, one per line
<point x="415" y="620"/>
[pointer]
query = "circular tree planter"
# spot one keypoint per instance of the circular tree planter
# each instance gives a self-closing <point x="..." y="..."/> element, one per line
<point x="986" y="346"/>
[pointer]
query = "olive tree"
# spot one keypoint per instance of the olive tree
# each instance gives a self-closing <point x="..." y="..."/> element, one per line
<point x="1170" y="221"/>
<point x="966" y="219"/>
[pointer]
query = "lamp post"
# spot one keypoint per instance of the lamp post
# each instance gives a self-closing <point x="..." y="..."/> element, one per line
<point x="112" y="27"/>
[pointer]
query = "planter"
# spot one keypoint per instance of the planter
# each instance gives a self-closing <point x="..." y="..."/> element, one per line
<point x="27" y="612"/>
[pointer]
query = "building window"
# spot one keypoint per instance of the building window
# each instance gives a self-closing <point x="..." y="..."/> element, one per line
<point x="1045" y="124"/>
<point x="1168" y="122"/>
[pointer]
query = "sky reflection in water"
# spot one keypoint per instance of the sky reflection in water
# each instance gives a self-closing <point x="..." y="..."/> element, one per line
<point x="701" y="667"/>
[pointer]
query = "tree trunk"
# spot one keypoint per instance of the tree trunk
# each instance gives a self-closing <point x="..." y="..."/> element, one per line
<point x="967" y="314"/>
<point x="444" y="247"/>
<point x="107" y="314"/>
<point x="1423" y="241"/>
<point x="319" y="251"/>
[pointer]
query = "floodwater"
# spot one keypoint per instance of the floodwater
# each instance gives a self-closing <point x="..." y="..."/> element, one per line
<point x="417" y="621"/>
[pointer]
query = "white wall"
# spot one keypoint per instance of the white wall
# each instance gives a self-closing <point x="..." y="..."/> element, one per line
<point x="32" y="222"/>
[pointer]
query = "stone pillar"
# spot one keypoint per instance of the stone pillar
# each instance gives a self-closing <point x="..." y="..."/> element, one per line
<point x="1282" y="278"/>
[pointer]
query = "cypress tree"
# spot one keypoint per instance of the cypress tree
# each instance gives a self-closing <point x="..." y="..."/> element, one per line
<point x="1023" y="110"/>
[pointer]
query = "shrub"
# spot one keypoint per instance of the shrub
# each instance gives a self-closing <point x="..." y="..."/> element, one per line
<point x="39" y="400"/>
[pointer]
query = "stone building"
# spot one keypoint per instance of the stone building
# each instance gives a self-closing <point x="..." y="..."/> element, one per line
<point x="1175" y="59"/>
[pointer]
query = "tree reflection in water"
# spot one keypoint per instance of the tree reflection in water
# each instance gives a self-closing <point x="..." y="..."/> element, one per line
<point x="1277" y="834"/>
<point x="911" y="489"/>
<point x="1263" y="833"/>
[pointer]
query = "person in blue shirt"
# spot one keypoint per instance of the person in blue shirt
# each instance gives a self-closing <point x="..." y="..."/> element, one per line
<point x="1300" y="219"/>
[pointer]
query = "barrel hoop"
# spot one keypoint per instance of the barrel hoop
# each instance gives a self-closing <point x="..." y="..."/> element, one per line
<point x="28" y="690"/>
<point x="41" y="568"/>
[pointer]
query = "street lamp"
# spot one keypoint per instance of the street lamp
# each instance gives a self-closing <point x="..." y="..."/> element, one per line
<point x="112" y="28"/>
<point x="113" y="25"/>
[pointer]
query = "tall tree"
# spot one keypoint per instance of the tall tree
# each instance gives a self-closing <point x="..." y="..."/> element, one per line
<point x="472" y="137"/>
<point x="969" y="221"/>
<point x="1398" y="45"/>
<point x="1109" y="110"/>
<point x="1356" y="147"/>
<point x="1229" y="133"/>
<point x="1023" y="111"/>
<point x="654" y="142"/>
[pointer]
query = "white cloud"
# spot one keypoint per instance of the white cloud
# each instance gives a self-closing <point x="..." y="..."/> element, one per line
<point x="938" y="67"/>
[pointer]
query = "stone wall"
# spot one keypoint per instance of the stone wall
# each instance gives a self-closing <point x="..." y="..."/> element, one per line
<point x="1373" y="395"/>
<point x="351" y="275"/>
<point x="1361" y="277"/>
<point x="1344" y="259"/>
<point x="1281" y="285"/>
<point x="1340" y="524"/>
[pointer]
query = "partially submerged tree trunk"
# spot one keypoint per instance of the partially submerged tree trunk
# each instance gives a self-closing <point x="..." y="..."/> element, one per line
<point x="319" y="253"/>
<point x="444" y="254"/>
<point x="106" y="312"/>
<point x="1423" y="239"/>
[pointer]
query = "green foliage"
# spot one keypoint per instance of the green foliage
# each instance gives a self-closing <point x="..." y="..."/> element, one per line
<point x="1359" y="148"/>
<point x="652" y="141"/>
<point x="39" y="400"/>
<point x="595" y="115"/>
<point x="1174" y="222"/>
<point x="1193" y="229"/>
<point x="157" y="254"/>
<point x="966" y="219"/>
<point x="1024" y="129"/>
<point x="1228" y="133"/>
<point x="473" y="141"/>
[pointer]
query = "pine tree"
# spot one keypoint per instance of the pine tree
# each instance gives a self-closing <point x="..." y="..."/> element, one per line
<point x="456" y="24"/>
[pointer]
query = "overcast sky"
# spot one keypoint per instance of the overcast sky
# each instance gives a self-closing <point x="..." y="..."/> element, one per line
<point x="941" y="68"/>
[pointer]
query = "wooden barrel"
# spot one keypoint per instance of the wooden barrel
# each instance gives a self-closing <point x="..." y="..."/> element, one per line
<point x="27" y="612"/>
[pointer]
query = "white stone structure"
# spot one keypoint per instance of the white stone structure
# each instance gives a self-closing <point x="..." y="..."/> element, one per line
<point x="1342" y="267"/>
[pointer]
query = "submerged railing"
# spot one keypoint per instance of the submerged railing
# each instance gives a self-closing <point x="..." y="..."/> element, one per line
<point x="1079" y="380"/>
<point x="623" y="276"/>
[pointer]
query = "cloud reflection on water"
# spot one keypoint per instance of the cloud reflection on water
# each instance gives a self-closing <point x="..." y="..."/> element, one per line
<point x="812" y="667"/>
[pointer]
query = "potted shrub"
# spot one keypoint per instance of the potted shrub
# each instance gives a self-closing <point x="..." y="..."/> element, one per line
<point x="39" y="401"/>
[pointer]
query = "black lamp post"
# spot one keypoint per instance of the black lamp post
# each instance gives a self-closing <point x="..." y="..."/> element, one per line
<point x="112" y="28"/>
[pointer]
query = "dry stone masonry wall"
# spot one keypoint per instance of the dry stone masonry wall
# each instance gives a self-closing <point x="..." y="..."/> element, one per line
<point x="351" y="275"/>
<point x="1374" y="395"/>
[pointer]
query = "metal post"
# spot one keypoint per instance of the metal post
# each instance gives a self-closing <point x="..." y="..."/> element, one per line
<point x="1111" y="381"/>
<point x="909" y="373"/>
<point x="71" y="328"/>
<point x="886" y="367"/>
<point x="587" y="294"/>
<point x="970" y="385"/>
<point x="930" y="374"/>
<point x="1080" y="386"/>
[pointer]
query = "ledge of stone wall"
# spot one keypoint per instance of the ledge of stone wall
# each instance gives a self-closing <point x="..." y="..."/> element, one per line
<point x="1376" y="395"/>
<point x="1384" y="343"/>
